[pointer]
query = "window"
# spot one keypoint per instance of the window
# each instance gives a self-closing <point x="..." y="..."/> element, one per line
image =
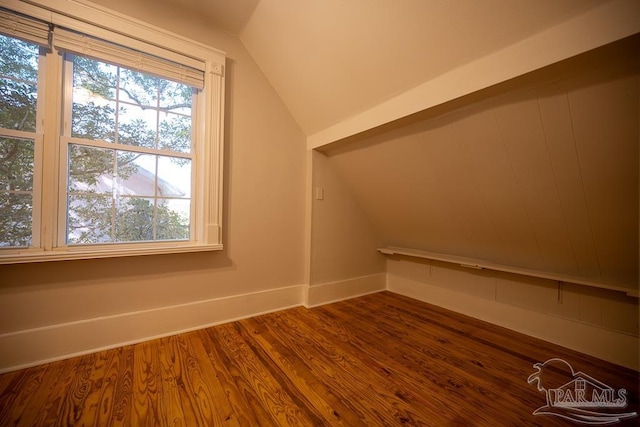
<point x="128" y="145"/>
<point x="19" y="78"/>
<point x="109" y="145"/>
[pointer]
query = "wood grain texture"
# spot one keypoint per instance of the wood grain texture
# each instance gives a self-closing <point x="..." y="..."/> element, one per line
<point x="381" y="359"/>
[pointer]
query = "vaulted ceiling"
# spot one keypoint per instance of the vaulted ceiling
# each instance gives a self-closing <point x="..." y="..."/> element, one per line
<point x="228" y="15"/>
<point x="331" y="59"/>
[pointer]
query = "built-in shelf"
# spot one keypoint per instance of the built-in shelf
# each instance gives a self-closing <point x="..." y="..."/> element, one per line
<point x="480" y="265"/>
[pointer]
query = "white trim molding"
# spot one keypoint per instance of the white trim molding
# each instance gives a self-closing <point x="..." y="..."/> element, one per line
<point x="612" y="346"/>
<point x="327" y="293"/>
<point x="22" y="349"/>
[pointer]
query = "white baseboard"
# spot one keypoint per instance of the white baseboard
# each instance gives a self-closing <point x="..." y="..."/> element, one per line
<point x="36" y="346"/>
<point x="612" y="346"/>
<point x="327" y="293"/>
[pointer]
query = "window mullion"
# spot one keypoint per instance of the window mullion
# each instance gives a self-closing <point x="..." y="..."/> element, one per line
<point x="38" y="218"/>
<point x="125" y="147"/>
<point x="64" y="125"/>
<point x="50" y="126"/>
<point x="66" y="92"/>
<point x="198" y="174"/>
<point x="38" y="182"/>
<point x="64" y="132"/>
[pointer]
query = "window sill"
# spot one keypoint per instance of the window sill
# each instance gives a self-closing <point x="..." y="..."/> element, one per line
<point x="68" y="254"/>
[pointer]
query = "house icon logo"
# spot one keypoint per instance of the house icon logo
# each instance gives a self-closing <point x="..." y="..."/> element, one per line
<point x="577" y="396"/>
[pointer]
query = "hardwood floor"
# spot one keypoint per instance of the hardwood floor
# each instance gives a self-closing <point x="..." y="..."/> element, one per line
<point x="381" y="359"/>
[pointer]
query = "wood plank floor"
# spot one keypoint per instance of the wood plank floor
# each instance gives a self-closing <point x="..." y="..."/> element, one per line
<point x="381" y="359"/>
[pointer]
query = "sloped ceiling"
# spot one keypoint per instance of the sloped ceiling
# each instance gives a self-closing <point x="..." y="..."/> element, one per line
<point x="331" y="59"/>
<point x="228" y="15"/>
<point x="544" y="177"/>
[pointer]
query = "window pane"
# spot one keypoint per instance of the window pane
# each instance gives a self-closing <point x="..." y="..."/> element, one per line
<point x="94" y="79"/>
<point x="16" y="164"/>
<point x="16" y="212"/>
<point x="94" y="108"/>
<point x="176" y="97"/>
<point x="136" y="174"/>
<point x="135" y="219"/>
<point x="93" y="121"/>
<point x="18" y="59"/>
<point x="18" y="84"/>
<point x="137" y="126"/>
<point x="90" y="169"/>
<point x="16" y="197"/>
<point x="18" y="105"/>
<point x="175" y="132"/>
<point x="89" y="219"/>
<point x="174" y="177"/>
<point x="138" y="219"/>
<point x="138" y="88"/>
<point x="173" y="219"/>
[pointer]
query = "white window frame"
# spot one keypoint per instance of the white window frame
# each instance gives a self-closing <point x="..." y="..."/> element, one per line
<point x="96" y="21"/>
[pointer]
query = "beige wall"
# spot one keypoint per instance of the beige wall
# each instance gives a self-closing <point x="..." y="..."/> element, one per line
<point x="344" y="261"/>
<point x="263" y="215"/>
<point x="343" y="243"/>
